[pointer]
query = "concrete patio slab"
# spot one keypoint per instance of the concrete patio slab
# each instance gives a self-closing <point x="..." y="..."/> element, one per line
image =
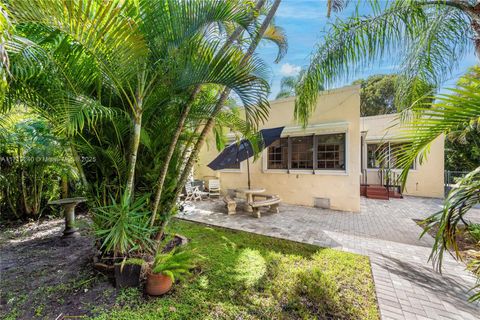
<point x="406" y="284"/>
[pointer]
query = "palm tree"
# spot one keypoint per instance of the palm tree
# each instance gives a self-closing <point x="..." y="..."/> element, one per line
<point x="429" y="37"/>
<point x="136" y="55"/>
<point x="458" y="108"/>
<point x="272" y="33"/>
<point x="206" y="128"/>
<point x="288" y="84"/>
<point x="183" y="117"/>
<point x="287" y="87"/>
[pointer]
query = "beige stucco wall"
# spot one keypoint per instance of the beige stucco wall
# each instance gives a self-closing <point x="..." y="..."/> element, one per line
<point x="426" y="179"/>
<point x="337" y="111"/>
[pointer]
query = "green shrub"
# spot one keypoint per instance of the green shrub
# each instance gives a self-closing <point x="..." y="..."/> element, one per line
<point x="175" y="264"/>
<point x="474" y="231"/>
<point x="123" y="228"/>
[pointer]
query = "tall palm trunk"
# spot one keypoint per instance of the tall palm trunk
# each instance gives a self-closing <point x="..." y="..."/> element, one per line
<point x="218" y="107"/>
<point x="170" y="152"/>
<point x="79" y="165"/>
<point x="181" y="123"/>
<point x="64" y="186"/>
<point x="137" y="128"/>
<point x="475" y="16"/>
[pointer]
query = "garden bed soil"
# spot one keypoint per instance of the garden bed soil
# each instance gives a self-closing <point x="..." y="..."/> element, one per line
<point x="469" y="248"/>
<point x="44" y="276"/>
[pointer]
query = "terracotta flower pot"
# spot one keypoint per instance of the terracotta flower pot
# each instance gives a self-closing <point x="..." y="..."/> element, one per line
<point x="158" y="284"/>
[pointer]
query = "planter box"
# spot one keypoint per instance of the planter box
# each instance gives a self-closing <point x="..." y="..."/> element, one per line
<point x="128" y="276"/>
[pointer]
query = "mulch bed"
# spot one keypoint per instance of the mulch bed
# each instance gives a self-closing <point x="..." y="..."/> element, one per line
<point x="44" y="276"/>
<point x="469" y="248"/>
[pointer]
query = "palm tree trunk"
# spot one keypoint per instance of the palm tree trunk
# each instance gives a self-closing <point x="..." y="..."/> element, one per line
<point x="137" y="128"/>
<point x="183" y="117"/>
<point x="171" y="150"/>
<point x="186" y="149"/>
<point x="218" y="107"/>
<point x="476" y="30"/>
<point x="64" y="186"/>
<point x="78" y="164"/>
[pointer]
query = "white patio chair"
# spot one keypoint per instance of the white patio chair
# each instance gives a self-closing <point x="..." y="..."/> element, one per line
<point x="200" y="193"/>
<point x="214" y="188"/>
<point x="194" y="193"/>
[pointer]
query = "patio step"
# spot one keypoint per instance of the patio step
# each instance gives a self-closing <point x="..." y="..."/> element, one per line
<point x="395" y="194"/>
<point x="377" y="192"/>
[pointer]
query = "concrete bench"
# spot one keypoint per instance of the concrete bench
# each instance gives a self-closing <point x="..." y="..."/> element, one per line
<point x="231" y="204"/>
<point x="269" y="200"/>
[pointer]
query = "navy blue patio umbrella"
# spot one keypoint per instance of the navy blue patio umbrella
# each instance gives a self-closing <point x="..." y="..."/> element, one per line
<point x="240" y="151"/>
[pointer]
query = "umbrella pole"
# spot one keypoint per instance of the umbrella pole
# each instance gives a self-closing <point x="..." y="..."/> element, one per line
<point x="248" y="173"/>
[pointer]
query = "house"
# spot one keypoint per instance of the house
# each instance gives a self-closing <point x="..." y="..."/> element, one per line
<point x="323" y="164"/>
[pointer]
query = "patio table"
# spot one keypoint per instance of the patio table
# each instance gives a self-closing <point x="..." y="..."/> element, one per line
<point x="249" y="195"/>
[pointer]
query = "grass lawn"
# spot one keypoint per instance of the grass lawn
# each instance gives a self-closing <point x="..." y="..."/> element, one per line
<point x="247" y="276"/>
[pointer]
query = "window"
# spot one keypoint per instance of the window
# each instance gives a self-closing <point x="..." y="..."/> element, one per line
<point x="278" y="154"/>
<point x="383" y="155"/>
<point x="320" y="152"/>
<point x="302" y="152"/>
<point x="331" y="152"/>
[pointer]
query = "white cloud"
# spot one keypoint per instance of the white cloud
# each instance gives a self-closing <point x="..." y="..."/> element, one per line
<point x="288" y="69"/>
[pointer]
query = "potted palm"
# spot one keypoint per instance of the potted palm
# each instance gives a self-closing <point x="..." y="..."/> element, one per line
<point x="124" y="236"/>
<point x="166" y="268"/>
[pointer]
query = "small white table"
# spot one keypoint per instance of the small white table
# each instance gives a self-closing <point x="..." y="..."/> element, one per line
<point x="69" y="205"/>
<point x="249" y="195"/>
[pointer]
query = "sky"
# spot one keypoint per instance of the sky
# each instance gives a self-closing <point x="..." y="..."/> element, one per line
<point x="305" y="23"/>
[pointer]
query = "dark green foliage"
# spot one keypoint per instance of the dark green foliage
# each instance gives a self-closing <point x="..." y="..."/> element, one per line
<point x="142" y="60"/>
<point x="462" y="147"/>
<point x="32" y="162"/>
<point x="377" y="95"/>
<point x="462" y="143"/>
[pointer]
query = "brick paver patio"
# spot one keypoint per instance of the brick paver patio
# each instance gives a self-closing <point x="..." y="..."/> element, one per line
<point x="407" y="287"/>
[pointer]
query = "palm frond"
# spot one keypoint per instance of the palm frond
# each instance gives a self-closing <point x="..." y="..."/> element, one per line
<point x="400" y="29"/>
<point x="73" y="114"/>
<point x="168" y="24"/>
<point x="463" y="196"/>
<point x="106" y="30"/>
<point x="277" y="35"/>
<point x="6" y="32"/>
<point x="203" y="64"/>
<point x="450" y="111"/>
